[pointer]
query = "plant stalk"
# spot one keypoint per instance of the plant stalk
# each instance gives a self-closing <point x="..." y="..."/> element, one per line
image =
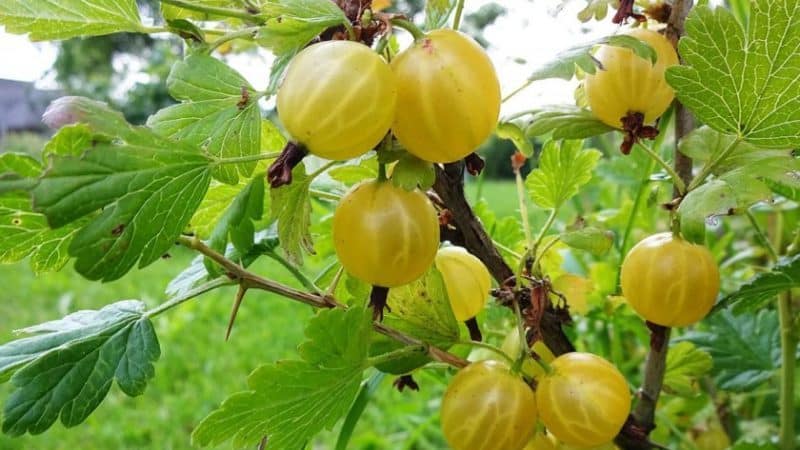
<point x="788" y="361"/>
<point x="213" y="10"/>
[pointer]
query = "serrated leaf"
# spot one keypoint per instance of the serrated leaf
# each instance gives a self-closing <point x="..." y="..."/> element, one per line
<point x="790" y="192"/>
<point x="69" y="140"/>
<point x="564" y="63"/>
<point x="685" y="365"/>
<point x="63" y="19"/>
<point x="69" y="369"/>
<point x="565" y="122"/>
<point x="765" y="286"/>
<point x="148" y="188"/>
<point x="291" y="401"/>
<point x="743" y="82"/>
<point x="596" y="241"/>
<point x="20" y="164"/>
<point x="745" y="349"/>
<point x="24" y="233"/>
<point x="437" y="12"/>
<point x="514" y="133"/>
<point x="411" y="173"/>
<point x="711" y="200"/>
<point x="563" y="169"/>
<point x="218" y="113"/>
<point x="746" y="168"/>
<point x="291" y="208"/>
<point x="172" y="12"/>
<point x="292" y="24"/>
<point x="236" y="224"/>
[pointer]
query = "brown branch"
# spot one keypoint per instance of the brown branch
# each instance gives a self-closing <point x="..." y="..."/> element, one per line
<point x="634" y="435"/>
<point x="450" y="188"/>
<point x="249" y="280"/>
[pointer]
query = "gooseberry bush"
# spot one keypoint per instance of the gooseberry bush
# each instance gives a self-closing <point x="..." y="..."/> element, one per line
<point x="665" y="195"/>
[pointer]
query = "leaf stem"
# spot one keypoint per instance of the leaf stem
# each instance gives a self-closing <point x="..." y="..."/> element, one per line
<point x="322" y="169"/>
<point x="489" y="347"/>
<point x="788" y="349"/>
<point x="409" y="26"/>
<point x="709" y="167"/>
<point x="523" y="208"/>
<point x="351" y="32"/>
<point x="395" y="355"/>
<point x="325" y="195"/>
<point x="676" y="179"/>
<point x="248" y="158"/>
<point x="197" y="291"/>
<point x="241" y="34"/>
<point x="516" y="91"/>
<point x="761" y="236"/>
<point x="545" y="228"/>
<point x="299" y="275"/>
<point x="457" y="17"/>
<point x="153" y="30"/>
<point x="213" y="10"/>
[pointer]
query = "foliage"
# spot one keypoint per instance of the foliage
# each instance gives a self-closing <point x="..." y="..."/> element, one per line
<point x="111" y="195"/>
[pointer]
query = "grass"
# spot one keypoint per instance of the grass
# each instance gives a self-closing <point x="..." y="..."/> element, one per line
<point x="197" y="368"/>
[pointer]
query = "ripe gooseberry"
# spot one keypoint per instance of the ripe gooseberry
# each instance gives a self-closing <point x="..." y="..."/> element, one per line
<point x="385" y="235"/>
<point x="337" y="99"/>
<point x="669" y="281"/>
<point x="466" y="279"/>
<point x="486" y="407"/>
<point x="627" y="83"/>
<point x="448" y="96"/>
<point x="584" y="401"/>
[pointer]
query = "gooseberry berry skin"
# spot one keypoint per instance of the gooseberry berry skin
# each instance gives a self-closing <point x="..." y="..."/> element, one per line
<point x="448" y="97"/>
<point x="337" y="99"/>
<point x="629" y="83"/>
<point x="585" y="400"/>
<point x="670" y="281"/>
<point x="466" y="280"/>
<point x="486" y="407"/>
<point x="384" y="235"/>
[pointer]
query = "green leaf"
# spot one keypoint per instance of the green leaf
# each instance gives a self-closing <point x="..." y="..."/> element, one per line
<point x="291" y="401"/>
<point x="563" y="169"/>
<point x="744" y="164"/>
<point x="171" y="12"/>
<point x="70" y="140"/>
<point x="411" y="172"/>
<point x="514" y="133"/>
<point x="685" y="365"/>
<point x="565" y="122"/>
<point x="218" y="113"/>
<point x="764" y="287"/>
<point x="746" y="348"/>
<point x="25" y="233"/>
<point x="292" y="24"/>
<point x="291" y="207"/>
<point x="68" y="368"/>
<point x="596" y="241"/>
<point x="366" y="392"/>
<point x="350" y="174"/>
<point x="236" y="224"/>
<point x="437" y="12"/>
<point x="20" y="164"/>
<point x="711" y="200"/>
<point x="743" y="82"/>
<point x="62" y="19"/>
<point x="790" y="192"/>
<point x="148" y="187"/>
<point x="564" y="63"/>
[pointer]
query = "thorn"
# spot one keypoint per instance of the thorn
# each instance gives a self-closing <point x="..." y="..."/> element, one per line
<point x="237" y="302"/>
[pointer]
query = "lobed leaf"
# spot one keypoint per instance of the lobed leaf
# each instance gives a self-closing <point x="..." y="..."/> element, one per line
<point x="745" y="349"/>
<point x="563" y="169"/>
<point x="685" y="365"/>
<point x="62" y="19"/>
<point x="148" y="187"/>
<point x="68" y="369"/>
<point x="764" y="287"/>
<point x="744" y="82"/>
<point x="291" y="208"/>
<point x="219" y="113"/>
<point x="290" y="401"/>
